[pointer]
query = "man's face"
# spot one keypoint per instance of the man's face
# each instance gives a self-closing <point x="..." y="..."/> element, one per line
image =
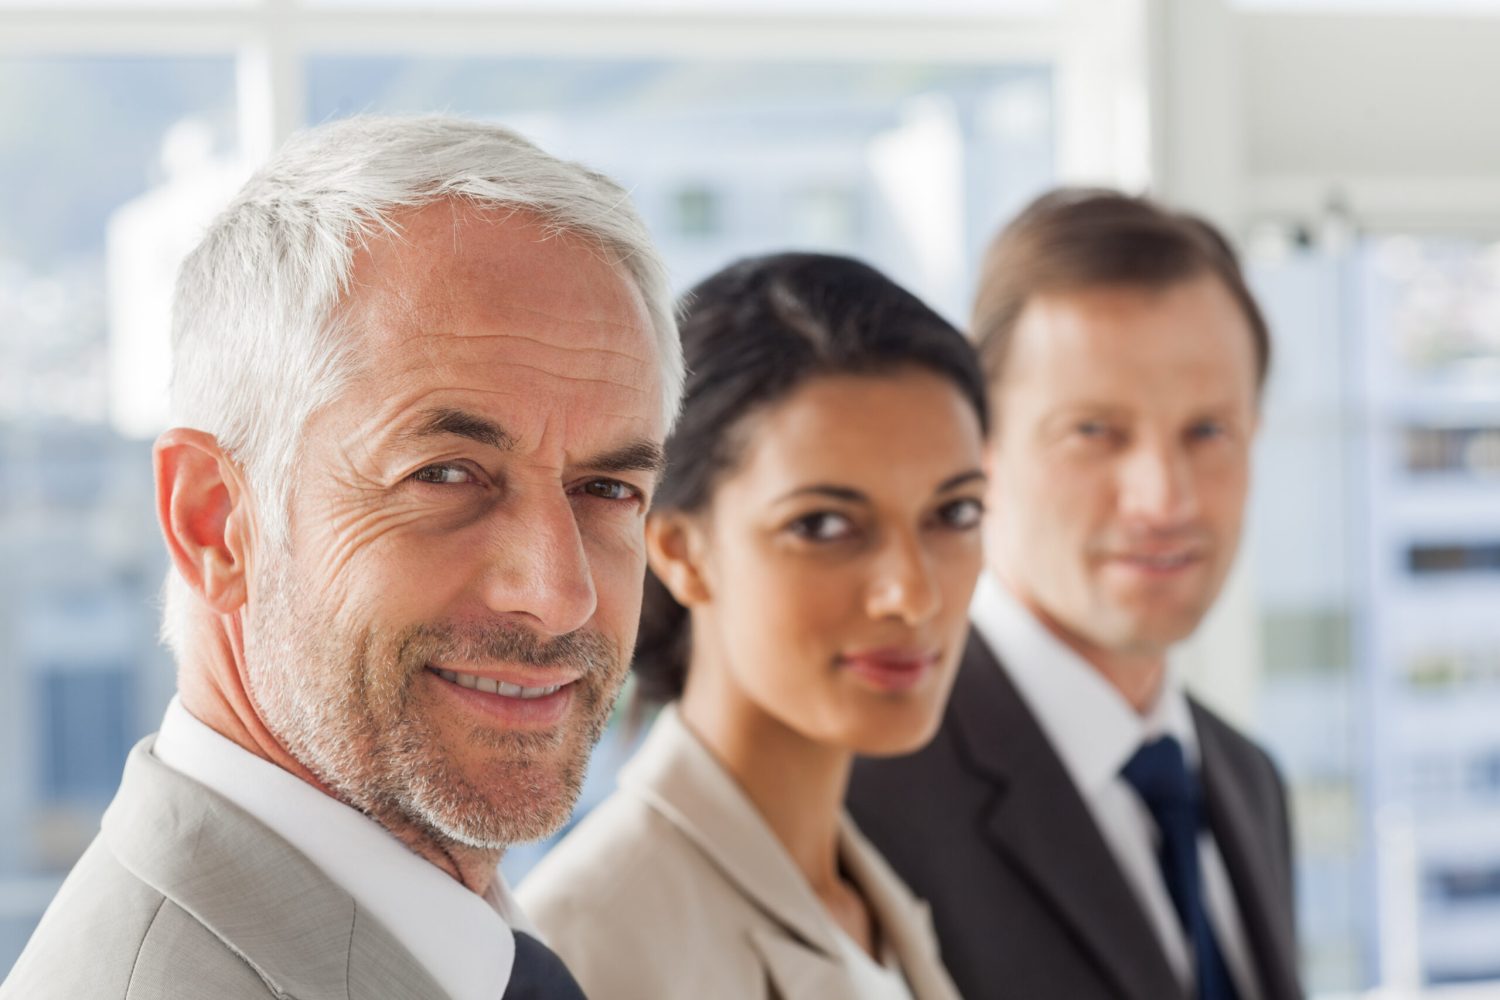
<point x="1121" y="460"/>
<point x="443" y="640"/>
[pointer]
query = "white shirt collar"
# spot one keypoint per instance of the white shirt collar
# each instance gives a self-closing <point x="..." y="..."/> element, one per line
<point x="463" y="940"/>
<point x="1094" y="730"/>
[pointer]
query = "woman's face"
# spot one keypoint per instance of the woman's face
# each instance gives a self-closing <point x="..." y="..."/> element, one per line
<point x="835" y="562"/>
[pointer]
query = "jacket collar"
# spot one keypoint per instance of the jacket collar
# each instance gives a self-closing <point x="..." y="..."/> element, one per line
<point x="680" y="779"/>
<point x="1234" y="818"/>
<point x="267" y="902"/>
<point x="1040" y="824"/>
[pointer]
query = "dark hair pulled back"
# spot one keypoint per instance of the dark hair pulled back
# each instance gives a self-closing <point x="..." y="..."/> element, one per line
<point x="751" y="334"/>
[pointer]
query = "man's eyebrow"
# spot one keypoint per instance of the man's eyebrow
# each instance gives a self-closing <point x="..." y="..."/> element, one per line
<point x="637" y="456"/>
<point x="459" y="423"/>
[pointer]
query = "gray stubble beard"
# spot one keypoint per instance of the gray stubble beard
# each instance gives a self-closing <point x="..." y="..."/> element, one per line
<point x="341" y="704"/>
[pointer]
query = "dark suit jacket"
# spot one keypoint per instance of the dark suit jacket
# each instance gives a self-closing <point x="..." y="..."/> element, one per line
<point x="986" y="825"/>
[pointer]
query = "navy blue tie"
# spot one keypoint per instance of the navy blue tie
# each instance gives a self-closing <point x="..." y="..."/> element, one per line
<point x="1160" y="774"/>
<point x="538" y="974"/>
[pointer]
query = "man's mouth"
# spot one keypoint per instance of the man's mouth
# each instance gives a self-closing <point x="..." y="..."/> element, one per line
<point x="1159" y="563"/>
<point x="490" y="685"/>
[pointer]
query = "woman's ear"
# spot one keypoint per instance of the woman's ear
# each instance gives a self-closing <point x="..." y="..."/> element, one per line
<point x="205" y="516"/>
<point x="674" y="547"/>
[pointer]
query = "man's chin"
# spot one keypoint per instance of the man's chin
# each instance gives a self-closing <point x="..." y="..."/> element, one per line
<point x="1151" y="636"/>
<point x="508" y="802"/>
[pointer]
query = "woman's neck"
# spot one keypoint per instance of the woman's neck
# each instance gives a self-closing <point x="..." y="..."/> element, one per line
<point x="796" y="784"/>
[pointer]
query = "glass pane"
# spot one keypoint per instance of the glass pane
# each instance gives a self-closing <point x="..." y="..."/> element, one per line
<point x="910" y="166"/>
<point x="108" y="169"/>
<point x="1383" y="681"/>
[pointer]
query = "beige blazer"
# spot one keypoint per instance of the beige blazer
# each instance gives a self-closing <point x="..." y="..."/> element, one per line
<point x="185" y="896"/>
<point x="675" y="888"/>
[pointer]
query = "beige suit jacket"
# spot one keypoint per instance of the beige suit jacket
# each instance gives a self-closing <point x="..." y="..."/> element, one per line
<point x="676" y="888"/>
<point x="184" y="895"/>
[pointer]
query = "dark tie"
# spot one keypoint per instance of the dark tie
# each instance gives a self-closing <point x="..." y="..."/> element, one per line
<point x="1160" y="774"/>
<point x="539" y="974"/>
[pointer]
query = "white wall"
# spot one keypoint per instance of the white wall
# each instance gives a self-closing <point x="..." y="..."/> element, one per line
<point x="1398" y="114"/>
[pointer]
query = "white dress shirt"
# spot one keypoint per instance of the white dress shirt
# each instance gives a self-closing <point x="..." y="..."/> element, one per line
<point x="463" y="940"/>
<point x="1095" y="732"/>
<point x="873" y="980"/>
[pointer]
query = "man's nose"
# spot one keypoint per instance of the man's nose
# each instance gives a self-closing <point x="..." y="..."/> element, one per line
<point x="903" y="584"/>
<point x="1157" y="485"/>
<point x="540" y="568"/>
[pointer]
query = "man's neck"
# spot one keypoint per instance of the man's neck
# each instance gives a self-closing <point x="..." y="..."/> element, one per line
<point x="1137" y="676"/>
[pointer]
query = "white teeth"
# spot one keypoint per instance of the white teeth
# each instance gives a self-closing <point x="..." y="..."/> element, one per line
<point x="540" y="692"/>
<point x="476" y="683"/>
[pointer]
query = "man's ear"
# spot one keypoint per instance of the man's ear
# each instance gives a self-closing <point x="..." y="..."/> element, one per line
<point x="674" y="549"/>
<point x="205" y="515"/>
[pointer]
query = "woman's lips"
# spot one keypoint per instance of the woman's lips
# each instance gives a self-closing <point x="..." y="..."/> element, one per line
<point x="890" y="670"/>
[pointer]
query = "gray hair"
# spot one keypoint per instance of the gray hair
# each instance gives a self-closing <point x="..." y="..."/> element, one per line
<point x="256" y="340"/>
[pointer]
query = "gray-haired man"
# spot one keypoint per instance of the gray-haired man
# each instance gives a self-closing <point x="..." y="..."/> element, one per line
<point x="423" y="375"/>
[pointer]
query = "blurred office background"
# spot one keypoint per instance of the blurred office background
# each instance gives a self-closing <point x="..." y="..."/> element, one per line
<point x="1351" y="147"/>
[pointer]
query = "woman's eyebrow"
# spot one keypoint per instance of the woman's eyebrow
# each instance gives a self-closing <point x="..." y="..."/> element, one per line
<point x="844" y="493"/>
<point x="962" y="479"/>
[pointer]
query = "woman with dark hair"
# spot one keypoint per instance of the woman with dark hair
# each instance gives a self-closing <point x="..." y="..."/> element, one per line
<point x="813" y="548"/>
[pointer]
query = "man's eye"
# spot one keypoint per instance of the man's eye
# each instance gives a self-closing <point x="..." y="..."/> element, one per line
<point x="961" y="514"/>
<point x="822" y="526"/>
<point x="1207" y="430"/>
<point x="443" y="475"/>
<point x="611" y="489"/>
<point x="1093" y="429"/>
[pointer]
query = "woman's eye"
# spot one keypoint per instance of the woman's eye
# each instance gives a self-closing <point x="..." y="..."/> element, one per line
<point x="443" y="475"/>
<point x="611" y="489"/>
<point x="962" y="514"/>
<point x="822" y="526"/>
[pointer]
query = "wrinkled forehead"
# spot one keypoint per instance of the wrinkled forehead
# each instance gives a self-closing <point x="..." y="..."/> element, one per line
<point x="465" y="296"/>
<point x="451" y="259"/>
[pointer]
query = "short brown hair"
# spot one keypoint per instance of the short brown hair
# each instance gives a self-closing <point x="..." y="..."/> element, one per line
<point x="1076" y="238"/>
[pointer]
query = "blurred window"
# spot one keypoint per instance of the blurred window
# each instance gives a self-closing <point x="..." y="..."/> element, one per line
<point x="909" y="165"/>
<point x="698" y="211"/>
<point x="107" y="163"/>
<point x="1378" y="560"/>
<point x="88" y="717"/>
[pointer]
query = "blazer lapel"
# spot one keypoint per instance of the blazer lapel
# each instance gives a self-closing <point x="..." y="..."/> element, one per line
<point x="1241" y="830"/>
<point x="300" y="932"/>
<point x="1042" y="827"/>
<point x="677" y="776"/>
<point x="905" y="922"/>
<point x="796" y="970"/>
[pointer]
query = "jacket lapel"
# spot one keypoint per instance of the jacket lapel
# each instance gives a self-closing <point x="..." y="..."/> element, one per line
<point x="266" y="901"/>
<point x="905" y="922"/>
<point x="680" y="779"/>
<point x="1242" y="833"/>
<point x="1040" y="825"/>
